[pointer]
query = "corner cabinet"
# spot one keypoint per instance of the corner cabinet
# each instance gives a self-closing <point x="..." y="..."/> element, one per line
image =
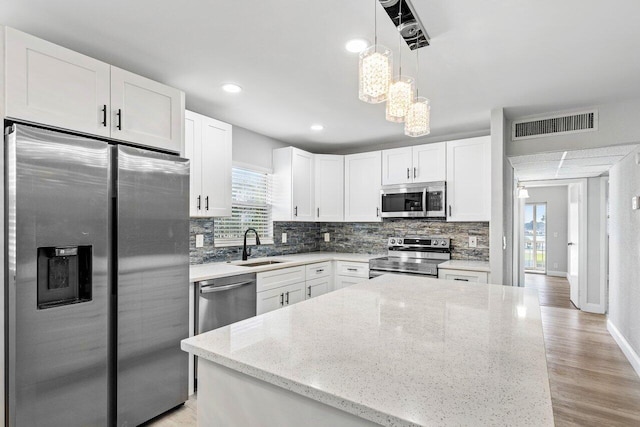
<point x="208" y="144"/>
<point x="362" y="184"/>
<point x="469" y="179"/>
<point x="293" y="185"/>
<point x="55" y="86"/>
<point x="329" y="188"/>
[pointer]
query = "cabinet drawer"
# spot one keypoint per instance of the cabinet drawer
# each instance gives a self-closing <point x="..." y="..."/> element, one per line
<point x="281" y="277"/>
<point x="321" y="269"/>
<point x="353" y="269"/>
<point x="463" y="276"/>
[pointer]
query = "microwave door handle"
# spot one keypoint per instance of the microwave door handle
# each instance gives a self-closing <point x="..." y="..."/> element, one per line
<point x="425" y="208"/>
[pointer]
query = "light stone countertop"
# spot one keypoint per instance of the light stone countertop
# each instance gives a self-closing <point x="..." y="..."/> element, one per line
<point x="213" y="270"/>
<point x="455" y="264"/>
<point x="401" y="351"/>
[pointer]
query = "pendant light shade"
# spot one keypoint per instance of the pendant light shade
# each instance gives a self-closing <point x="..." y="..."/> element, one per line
<point x="399" y="98"/>
<point x="375" y="74"/>
<point x="523" y="193"/>
<point x="417" y="122"/>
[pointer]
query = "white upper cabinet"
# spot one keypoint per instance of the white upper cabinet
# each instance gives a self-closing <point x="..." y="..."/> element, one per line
<point x="146" y="112"/>
<point x="421" y="163"/>
<point x="469" y="179"/>
<point x="293" y="193"/>
<point x="329" y="187"/>
<point x="208" y="144"/>
<point x="430" y="162"/>
<point x="362" y="180"/>
<point x="397" y="166"/>
<point x="55" y="86"/>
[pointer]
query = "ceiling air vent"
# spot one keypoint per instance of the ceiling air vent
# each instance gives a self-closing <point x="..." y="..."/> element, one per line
<point x="553" y="125"/>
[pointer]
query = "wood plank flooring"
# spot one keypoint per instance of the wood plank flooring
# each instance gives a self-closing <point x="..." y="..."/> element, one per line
<point x="592" y="383"/>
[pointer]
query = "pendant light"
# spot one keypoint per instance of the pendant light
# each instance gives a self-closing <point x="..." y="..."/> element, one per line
<point x="401" y="89"/>
<point x="418" y="119"/>
<point x="374" y="68"/>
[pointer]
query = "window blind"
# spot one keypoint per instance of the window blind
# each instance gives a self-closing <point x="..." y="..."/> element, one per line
<point x="250" y="208"/>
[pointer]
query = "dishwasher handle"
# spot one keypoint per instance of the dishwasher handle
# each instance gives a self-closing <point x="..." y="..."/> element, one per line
<point x="212" y="288"/>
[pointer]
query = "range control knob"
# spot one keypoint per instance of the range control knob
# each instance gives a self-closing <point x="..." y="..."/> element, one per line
<point x="443" y="243"/>
<point x="399" y="241"/>
<point x="392" y="241"/>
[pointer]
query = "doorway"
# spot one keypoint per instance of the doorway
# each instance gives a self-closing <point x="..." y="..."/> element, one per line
<point x="535" y="233"/>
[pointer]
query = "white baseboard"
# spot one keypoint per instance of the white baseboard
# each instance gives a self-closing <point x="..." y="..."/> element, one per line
<point x="557" y="274"/>
<point x="629" y="352"/>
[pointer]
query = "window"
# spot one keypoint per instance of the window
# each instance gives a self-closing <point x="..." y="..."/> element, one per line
<point x="250" y="208"/>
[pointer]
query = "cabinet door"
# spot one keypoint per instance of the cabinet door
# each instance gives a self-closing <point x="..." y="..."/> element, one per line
<point x="343" y="282"/>
<point x="294" y="293"/>
<point x="329" y="187"/>
<point x="146" y="112"/>
<point x="302" y="188"/>
<point x="216" y="167"/>
<point x="430" y="162"/>
<point x="317" y="287"/>
<point x="52" y="85"/>
<point x="193" y="152"/>
<point x="362" y="178"/>
<point x="396" y="166"/>
<point x="469" y="179"/>
<point x="270" y="300"/>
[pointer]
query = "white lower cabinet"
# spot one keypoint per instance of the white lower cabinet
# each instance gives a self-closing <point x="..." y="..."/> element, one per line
<point x="274" y="299"/>
<point x="349" y="273"/>
<point x="344" y="281"/>
<point x="464" y="275"/>
<point x="316" y="287"/>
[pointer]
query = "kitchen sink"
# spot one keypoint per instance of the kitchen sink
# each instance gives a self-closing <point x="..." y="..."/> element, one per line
<point x="259" y="263"/>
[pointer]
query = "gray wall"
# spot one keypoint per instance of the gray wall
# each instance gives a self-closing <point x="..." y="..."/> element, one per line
<point x="596" y="188"/>
<point x="624" y="251"/>
<point x="253" y="148"/>
<point x="557" y="206"/>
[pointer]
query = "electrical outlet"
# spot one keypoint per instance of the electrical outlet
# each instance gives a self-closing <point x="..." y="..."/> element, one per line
<point x="199" y="240"/>
<point x="555" y="265"/>
<point x="327" y="237"/>
<point x="284" y="237"/>
<point x="555" y="234"/>
<point x="473" y="242"/>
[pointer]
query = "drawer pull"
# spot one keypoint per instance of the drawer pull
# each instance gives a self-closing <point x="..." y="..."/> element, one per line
<point x="309" y="291"/>
<point x="352" y="269"/>
<point x="281" y="299"/>
<point x="320" y="270"/>
<point x="287" y="298"/>
<point x="461" y="280"/>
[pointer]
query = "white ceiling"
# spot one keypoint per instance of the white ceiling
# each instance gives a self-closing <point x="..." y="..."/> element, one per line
<point x="568" y="164"/>
<point x="289" y="56"/>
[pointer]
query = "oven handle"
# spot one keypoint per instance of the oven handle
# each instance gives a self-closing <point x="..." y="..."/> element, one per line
<point x="211" y="288"/>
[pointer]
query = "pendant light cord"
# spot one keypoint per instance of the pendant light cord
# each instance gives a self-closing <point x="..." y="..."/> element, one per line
<point x="400" y="38"/>
<point x="375" y="23"/>
<point x="417" y="73"/>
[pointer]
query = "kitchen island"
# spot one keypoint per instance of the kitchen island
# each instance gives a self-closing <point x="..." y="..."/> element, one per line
<point x="395" y="350"/>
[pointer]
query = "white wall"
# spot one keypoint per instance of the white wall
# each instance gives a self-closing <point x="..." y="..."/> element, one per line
<point x="556" y="200"/>
<point x="497" y="229"/>
<point x="253" y="148"/>
<point x="624" y="251"/>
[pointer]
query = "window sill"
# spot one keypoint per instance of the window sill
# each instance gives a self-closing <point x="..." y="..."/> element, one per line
<point x="240" y="243"/>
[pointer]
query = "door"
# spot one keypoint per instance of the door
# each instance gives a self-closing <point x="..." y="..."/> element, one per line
<point x="535" y="241"/>
<point x="316" y="287"/>
<point x="469" y="179"/>
<point x="216" y="168"/>
<point x="52" y="85"/>
<point x="269" y="300"/>
<point x="193" y="152"/>
<point x="430" y="162"/>
<point x="146" y="112"/>
<point x="397" y="166"/>
<point x="152" y="283"/>
<point x="329" y="186"/>
<point x="573" y="245"/>
<point x="362" y="179"/>
<point x="57" y="354"/>
<point x="302" y="188"/>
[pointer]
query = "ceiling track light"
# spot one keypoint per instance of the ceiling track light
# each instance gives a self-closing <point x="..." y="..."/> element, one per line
<point x="405" y="18"/>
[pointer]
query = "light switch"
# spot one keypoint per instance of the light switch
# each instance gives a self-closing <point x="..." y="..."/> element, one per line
<point x="284" y="237"/>
<point x="199" y="240"/>
<point x="327" y="237"/>
<point x="473" y="242"/>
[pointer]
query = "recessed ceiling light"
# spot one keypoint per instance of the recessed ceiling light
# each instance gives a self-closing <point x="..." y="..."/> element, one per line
<point x="317" y="127"/>
<point x="356" y="45"/>
<point x="231" y="88"/>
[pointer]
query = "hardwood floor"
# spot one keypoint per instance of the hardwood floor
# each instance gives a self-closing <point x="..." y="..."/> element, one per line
<point x="592" y="383"/>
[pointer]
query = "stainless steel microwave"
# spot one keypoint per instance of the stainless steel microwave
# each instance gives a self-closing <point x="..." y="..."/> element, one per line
<point x="426" y="200"/>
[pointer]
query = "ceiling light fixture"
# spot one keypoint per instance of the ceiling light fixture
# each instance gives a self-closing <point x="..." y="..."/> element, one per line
<point x="231" y="88"/>
<point x="356" y="45"/>
<point x="417" y="122"/>
<point x="317" y="127"/>
<point x="374" y="68"/>
<point x="400" y="95"/>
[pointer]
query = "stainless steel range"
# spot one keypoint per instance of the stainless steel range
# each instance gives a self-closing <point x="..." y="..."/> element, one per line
<point x="412" y="256"/>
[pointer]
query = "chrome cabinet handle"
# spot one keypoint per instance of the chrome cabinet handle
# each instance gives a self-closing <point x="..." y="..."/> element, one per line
<point x="104" y="115"/>
<point x="415" y="172"/>
<point x="282" y="299"/>
<point x="408" y="173"/>
<point x="462" y="280"/>
<point x="309" y="291"/>
<point x="352" y="269"/>
<point x="287" y="298"/>
<point x="378" y="212"/>
<point x="199" y="198"/>
<point x="295" y="211"/>
<point x="119" y="114"/>
<point x="206" y="203"/>
<point x="320" y="270"/>
<point x="449" y="210"/>
<point x="318" y="212"/>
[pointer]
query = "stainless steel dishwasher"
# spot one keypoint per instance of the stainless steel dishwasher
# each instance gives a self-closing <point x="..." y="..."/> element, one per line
<point x="224" y="301"/>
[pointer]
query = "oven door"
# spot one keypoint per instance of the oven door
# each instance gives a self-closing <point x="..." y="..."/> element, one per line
<point x="404" y="201"/>
<point x="435" y="201"/>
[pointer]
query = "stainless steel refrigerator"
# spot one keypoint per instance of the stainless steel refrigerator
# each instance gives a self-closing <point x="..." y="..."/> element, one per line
<point x="96" y="280"/>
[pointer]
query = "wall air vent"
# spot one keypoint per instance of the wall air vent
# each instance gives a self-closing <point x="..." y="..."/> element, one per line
<point x="540" y="127"/>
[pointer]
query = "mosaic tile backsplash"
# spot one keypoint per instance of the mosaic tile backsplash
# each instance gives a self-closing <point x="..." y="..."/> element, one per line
<point x="369" y="238"/>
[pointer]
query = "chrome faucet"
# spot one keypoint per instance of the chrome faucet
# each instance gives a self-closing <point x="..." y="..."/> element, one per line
<point x="246" y="252"/>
